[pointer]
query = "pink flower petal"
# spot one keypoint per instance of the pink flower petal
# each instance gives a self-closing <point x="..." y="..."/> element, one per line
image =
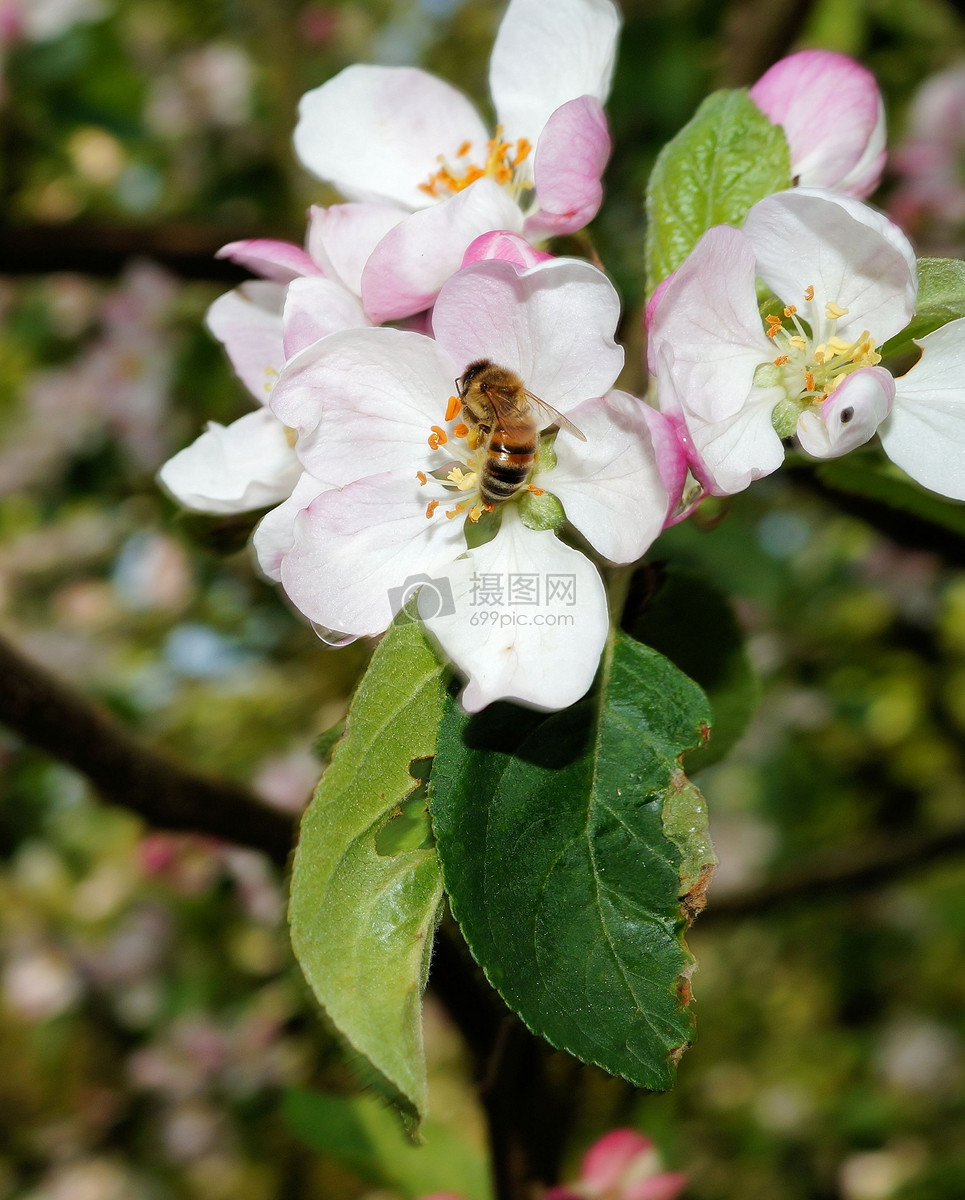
<point x="275" y="533"/>
<point x="833" y="117"/>
<point x="546" y="54"/>
<point x="571" y="155"/>
<point x="279" y="261"/>
<point x="506" y="246"/>
<point x="316" y="307"/>
<point x="666" y="1186"/>
<point x="342" y="237"/>
<point x="413" y="260"/>
<point x="553" y="325"/>
<point x="607" y="1160"/>
<point x="248" y="323"/>
<point x="850" y="416"/>
<point x="376" y="133"/>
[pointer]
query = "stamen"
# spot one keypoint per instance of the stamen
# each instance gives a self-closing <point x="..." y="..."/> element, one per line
<point x="782" y="361"/>
<point x="455" y="511"/>
<point x="422" y="477"/>
<point x="839" y="345"/>
<point x="463" y="149"/>
<point x="453" y="407"/>
<point x="477" y="511"/>
<point x="832" y="311"/>
<point x="523" y="147"/>
<point x="460" y="430"/>
<point x="431" y="507"/>
<point x="798" y="343"/>
<point x="790" y="310"/>
<point x="809" y="292"/>
<point x="535" y="490"/>
<point x="438" y="437"/>
<point x="809" y="380"/>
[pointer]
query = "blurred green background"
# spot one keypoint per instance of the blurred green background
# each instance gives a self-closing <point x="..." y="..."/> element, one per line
<point x="152" y="1021"/>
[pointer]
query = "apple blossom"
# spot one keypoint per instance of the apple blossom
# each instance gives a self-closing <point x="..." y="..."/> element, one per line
<point x="737" y="384"/>
<point x="403" y="138"/>
<point x="833" y="117"/>
<point x="304" y="295"/>
<point x="396" y="476"/>
<point x="621" y="1165"/>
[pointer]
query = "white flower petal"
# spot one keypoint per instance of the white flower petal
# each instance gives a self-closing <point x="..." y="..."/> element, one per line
<point x="316" y="307"/>
<point x="542" y="654"/>
<point x="376" y="133"/>
<point x="553" y="325"/>
<point x="248" y="324"/>
<point x="925" y="434"/>
<point x="610" y="485"/>
<point x="275" y="533"/>
<point x="342" y="237"/>
<point x="411" y="263"/>
<point x="851" y="255"/>
<point x="357" y="547"/>
<point x="546" y="54"/>
<point x="850" y="416"/>
<point x="363" y="401"/>
<point x="234" y="468"/>
<point x="706" y="334"/>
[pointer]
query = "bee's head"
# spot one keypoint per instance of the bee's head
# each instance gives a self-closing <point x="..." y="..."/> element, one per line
<point x="471" y="372"/>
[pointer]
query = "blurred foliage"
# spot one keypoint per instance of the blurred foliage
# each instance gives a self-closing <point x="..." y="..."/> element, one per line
<point x="150" y="1014"/>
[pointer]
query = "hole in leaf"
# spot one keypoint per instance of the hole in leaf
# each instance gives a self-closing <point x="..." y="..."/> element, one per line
<point x="408" y="828"/>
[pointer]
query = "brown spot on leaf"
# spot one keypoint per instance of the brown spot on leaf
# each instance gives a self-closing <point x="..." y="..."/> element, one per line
<point x="693" y="902"/>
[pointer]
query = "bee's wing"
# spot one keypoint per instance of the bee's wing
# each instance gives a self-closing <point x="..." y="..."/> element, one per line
<point x="555" y="418"/>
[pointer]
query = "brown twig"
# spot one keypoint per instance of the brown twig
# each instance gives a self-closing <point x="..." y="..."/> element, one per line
<point x="59" y="720"/>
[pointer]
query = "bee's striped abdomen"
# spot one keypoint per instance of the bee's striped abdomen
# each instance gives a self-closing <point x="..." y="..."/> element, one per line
<point x="509" y="461"/>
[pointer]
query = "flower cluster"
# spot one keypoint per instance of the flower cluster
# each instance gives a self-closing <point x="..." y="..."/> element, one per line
<point x="437" y="396"/>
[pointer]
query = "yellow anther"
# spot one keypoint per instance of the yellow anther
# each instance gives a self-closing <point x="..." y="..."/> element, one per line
<point x="502" y="159"/>
<point x="790" y="310"/>
<point x="476" y="512"/>
<point x="453" y="407"/>
<point x="809" y="292"/>
<point x="832" y="311"/>
<point x="422" y="477"/>
<point x="839" y="345"/>
<point x="438" y="437"/>
<point x="535" y="490"/>
<point x="782" y="361"/>
<point x="809" y="380"/>
<point x="798" y="343"/>
<point x="431" y="507"/>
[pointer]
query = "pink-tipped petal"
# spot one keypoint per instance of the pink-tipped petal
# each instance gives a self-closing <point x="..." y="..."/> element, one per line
<point x="609" y="1158"/>
<point x="925" y="434"/>
<point x="653" y="304"/>
<point x="549" y="664"/>
<point x="376" y="133"/>
<point x="610" y="485"/>
<point x="670" y="451"/>
<point x="341" y="238"/>
<point x="279" y="261"/>
<point x="315" y="308"/>
<point x="248" y="323"/>
<point x="506" y="246"/>
<point x="553" y="325"/>
<point x="546" y="54"/>
<point x="413" y="260"/>
<point x="833" y="117"/>
<point x="850" y="416"/>
<point x="571" y="155"/>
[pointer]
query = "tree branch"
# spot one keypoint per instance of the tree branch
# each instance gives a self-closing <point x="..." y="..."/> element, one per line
<point x="59" y="720"/>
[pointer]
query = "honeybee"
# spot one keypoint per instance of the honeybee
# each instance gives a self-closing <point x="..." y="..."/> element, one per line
<point x="504" y="416"/>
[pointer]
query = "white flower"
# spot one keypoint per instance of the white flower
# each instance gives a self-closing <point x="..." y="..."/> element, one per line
<point x="402" y="137"/>
<point x="388" y="453"/>
<point x="737" y="385"/>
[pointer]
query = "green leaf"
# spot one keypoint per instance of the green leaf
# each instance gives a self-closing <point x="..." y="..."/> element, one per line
<point x="574" y="851"/>
<point x="725" y="159"/>
<point x="364" y="905"/>
<point x="941" y="298"/>
<point x="358" y="1132"/>
<point x="685" y="618"/>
